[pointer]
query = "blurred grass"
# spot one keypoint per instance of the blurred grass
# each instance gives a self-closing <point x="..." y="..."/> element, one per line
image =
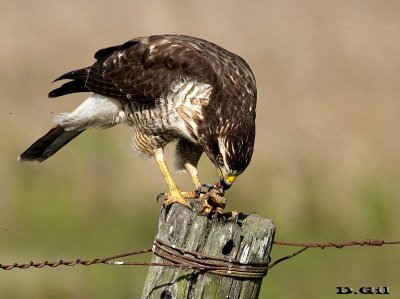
<point x="326" y="165"/>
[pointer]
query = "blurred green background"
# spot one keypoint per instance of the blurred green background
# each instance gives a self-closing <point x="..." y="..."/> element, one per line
<point x="326" y="165"/>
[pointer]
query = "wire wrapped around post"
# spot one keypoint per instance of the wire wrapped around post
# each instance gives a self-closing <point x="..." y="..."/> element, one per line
<point x="221" y="266"/>
<point x="212" y="259"/>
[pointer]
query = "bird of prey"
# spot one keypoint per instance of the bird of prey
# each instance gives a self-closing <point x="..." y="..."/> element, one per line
<point x="166" y="87"/>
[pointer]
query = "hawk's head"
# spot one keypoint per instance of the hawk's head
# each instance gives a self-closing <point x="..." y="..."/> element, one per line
<point x="231" y="153"/>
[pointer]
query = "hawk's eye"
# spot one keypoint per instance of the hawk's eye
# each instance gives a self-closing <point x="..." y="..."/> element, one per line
<point x="220" y="160"/>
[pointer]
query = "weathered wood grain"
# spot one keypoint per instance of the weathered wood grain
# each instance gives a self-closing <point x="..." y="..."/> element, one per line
<point x="248" y="240"/>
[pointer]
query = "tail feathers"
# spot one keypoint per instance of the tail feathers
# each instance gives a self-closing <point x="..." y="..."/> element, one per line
<point x="78" y="83"/>
<point x="80" y="75"/>
<point x="48" y="145"/>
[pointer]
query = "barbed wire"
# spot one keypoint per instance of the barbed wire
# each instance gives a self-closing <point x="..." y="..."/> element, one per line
<point x="305" y="246"/>
<point x="94" y="261"/>
<point x="368" y="242"/>
<point x="185" y="259"/>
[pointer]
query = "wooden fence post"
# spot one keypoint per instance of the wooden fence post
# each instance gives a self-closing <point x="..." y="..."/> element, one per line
<point x="249" y="240"/>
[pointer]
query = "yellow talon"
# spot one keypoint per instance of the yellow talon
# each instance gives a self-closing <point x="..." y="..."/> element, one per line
<point x="173" y="197"/>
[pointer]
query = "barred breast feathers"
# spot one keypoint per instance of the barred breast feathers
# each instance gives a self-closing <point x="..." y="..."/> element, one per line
<point x="177" y="111"/>
<point x="188" y="97"/>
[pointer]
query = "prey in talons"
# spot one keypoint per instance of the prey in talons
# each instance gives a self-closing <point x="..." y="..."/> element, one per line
<point x="211" y="198"/>
<point x="166" y="88"/>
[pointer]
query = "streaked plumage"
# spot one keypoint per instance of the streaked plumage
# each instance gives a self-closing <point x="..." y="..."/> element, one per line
<point x="166" y="87"/>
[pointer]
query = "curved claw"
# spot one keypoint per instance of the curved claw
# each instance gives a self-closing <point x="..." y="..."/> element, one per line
<point x="162" y="194"/>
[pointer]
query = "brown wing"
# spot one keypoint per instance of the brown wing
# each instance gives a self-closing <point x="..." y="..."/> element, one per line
<point x="144" y="68"/>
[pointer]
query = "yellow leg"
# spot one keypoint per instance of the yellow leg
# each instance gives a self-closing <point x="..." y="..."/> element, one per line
<point x="193" y="173"/>
<point x="174" y="194"/>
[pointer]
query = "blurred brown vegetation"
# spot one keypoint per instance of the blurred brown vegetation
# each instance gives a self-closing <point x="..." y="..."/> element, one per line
<point x="326" y="164"/>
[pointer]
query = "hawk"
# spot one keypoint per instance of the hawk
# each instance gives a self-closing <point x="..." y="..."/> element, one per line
<point x="166" y="87"/>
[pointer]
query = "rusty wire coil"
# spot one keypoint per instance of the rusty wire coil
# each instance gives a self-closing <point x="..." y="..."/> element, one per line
<point x="198" y="261"/>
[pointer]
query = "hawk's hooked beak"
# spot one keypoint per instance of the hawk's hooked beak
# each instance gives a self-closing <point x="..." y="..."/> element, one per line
<point x="227" y="181"/>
